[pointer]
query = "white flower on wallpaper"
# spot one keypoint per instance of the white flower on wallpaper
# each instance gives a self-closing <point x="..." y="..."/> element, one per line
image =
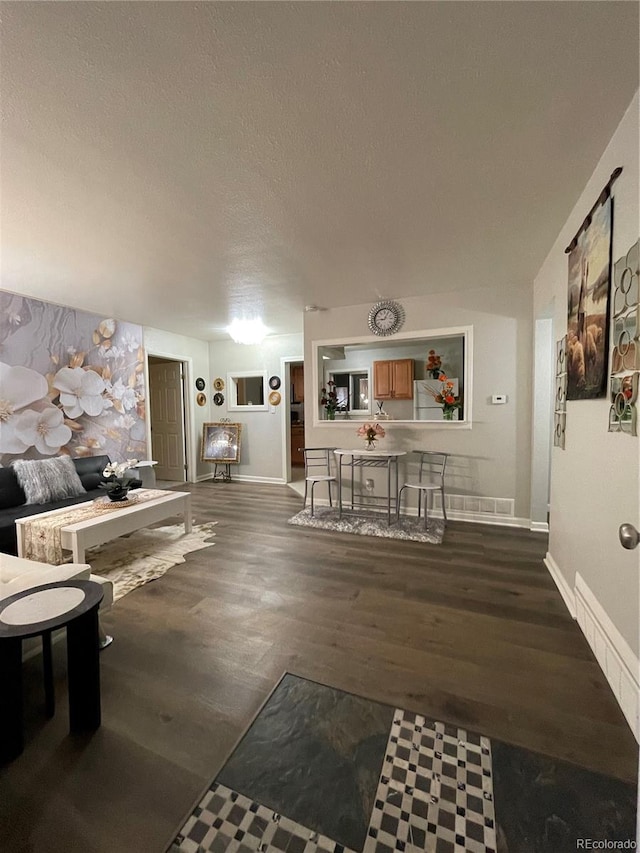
<point x="125" y="395"/>
<point x="70" y="382"/>
<point x="81" y="392"/>
<point x="20" y="387"/>
<point x="43" y="428"/>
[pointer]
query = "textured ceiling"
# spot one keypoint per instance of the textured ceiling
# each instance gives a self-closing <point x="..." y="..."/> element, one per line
<point x="179" y="164"/>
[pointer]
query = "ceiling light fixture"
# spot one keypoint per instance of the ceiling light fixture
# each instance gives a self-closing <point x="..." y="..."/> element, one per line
<point x="247" y="331"/>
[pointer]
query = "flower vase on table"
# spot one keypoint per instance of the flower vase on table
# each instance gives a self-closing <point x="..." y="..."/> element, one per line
<point x="117" y="480"/>
<point x="371" y="433"/>
<point x="434" y="365"/>
<point x="329" y="399"/>
<point x="443" y="395"/>
<point x="118" y="494"/>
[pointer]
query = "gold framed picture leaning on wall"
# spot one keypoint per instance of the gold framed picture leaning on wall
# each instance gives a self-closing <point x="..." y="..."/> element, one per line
<point x="221" y="442"/>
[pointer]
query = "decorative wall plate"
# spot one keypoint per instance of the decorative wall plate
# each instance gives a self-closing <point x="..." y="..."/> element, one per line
<point x="201" y="399"/>
<point x="274" y="398"/>
<point x="218" y="399"/>
<point x="218" y="384"/>
<point x="200" y="383"/>
<point x="386" y="317"/>
<point x="274" y="382"/>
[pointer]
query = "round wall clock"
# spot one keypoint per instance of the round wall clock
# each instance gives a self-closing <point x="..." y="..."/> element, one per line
<point x="218" y="384"/>
<point x="274" y="382"/>
<point x="274" y="398"/>
<point x="200" y="383"/>
<point x="201" y="399"/>
<point x="386" y="317"/>
<point x="218" y="399"/>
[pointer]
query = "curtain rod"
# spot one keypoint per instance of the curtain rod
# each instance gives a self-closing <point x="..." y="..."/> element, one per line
<point x="606" y="192"/>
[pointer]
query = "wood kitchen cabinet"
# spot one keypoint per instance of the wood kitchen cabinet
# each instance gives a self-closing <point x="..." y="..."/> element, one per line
<point x="297" y="382"/>
<point x="393" y="379"/>
<point x="297" y="440"/>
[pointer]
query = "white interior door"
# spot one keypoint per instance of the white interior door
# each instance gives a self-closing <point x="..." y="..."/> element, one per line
<point x="630" y="539"/>
<point x="167" y="419"/>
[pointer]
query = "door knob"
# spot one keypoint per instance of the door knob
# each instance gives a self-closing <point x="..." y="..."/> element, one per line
<point x="629" y="536"/>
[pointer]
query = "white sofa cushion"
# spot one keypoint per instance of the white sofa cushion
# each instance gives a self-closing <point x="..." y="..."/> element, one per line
<point x="18" y="574"/>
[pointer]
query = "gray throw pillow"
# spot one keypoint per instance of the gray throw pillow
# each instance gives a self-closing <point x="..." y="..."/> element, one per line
<point x="46" y="480"/>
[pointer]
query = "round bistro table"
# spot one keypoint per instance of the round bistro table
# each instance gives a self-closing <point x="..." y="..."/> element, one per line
<point x="370" y="459"/>
<point x="39" y="611"/>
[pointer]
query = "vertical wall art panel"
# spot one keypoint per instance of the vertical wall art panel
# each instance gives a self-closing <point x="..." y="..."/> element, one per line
<point x="626" y="312"/>
<point x="560" y="402"/>
<point x="588" y="309"/>
<point x="70" y="382"/>
<point x="625" y="331"/>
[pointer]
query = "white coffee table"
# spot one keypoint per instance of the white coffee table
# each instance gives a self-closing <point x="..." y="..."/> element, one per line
<point x="108" y="525"/>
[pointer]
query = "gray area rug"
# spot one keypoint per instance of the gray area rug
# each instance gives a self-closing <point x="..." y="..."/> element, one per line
<point x="131" y="561"/>
<point x="372" y="524"/>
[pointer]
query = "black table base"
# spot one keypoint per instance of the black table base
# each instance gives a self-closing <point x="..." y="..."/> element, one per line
<point x="11" y="734"/>
<point x="83" y="666"/>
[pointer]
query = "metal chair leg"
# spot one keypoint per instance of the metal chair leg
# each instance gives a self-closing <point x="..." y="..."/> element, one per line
<point x="313" y="485"/>
<point x="104" y="639"/>
<point x="306" y="486"/>
<point x="444" y="510"/>
<point x="426" y="511"/>
<point x="329" y="487"/>
<point x="398" y="501"/>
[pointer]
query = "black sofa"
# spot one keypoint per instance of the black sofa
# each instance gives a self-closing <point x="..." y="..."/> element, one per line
<point x="12" y="498"/>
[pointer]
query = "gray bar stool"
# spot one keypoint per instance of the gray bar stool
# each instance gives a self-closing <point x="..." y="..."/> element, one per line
<point x="430" y="480"/>
<point x="317" y="469"/>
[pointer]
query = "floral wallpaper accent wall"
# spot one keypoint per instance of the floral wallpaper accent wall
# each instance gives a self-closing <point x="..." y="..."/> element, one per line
<point x="70" y="383"/>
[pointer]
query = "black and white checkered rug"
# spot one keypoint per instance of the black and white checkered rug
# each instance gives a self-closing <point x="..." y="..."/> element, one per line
<point x="424" y="786"/>
<point x="435" y="783"/>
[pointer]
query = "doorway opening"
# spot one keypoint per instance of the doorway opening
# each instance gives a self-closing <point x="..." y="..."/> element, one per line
<point x="167" y="419"/>
<point x="292" y="371"/>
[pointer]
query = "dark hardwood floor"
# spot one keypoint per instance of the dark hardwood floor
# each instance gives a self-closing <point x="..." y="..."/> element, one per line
<point x="472" y="631"/>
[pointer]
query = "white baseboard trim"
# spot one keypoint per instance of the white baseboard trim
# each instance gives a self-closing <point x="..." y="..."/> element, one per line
<point x="619" y="663"/>
<point x="452" y="515"/>
<point x="247" y="478"/>
<point x="539" y="526"/>
<point x="563" y="587"/>
<point x="485" y="518"/>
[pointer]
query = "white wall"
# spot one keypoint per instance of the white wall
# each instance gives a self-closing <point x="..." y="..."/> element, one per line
<point x="160" y="342"/>
<point x="595" y="480"/>
<point x="491" y="459"/>
<point x="262" y="432"/>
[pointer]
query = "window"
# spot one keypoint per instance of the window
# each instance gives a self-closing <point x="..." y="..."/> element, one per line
<point x="247" y="391"/>
<point x="352" y="388"/>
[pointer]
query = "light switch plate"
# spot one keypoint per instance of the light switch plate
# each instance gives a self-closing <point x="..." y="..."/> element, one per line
<point x="498" y="399"/>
